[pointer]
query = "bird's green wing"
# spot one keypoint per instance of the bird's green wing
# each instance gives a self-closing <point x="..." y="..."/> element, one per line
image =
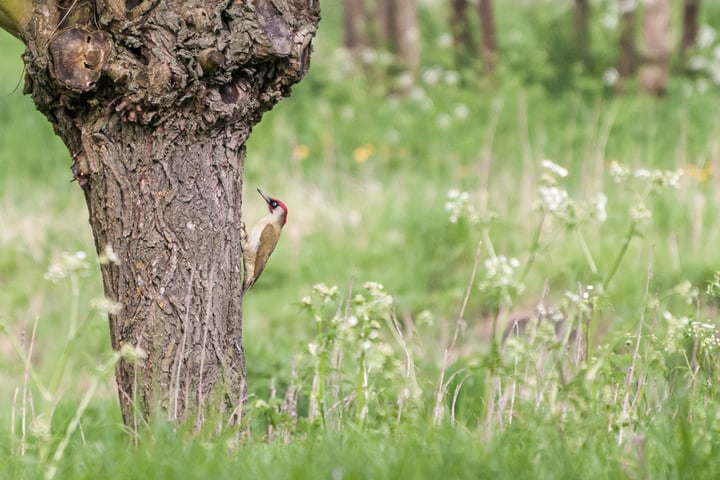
<point x="268" y="240"/>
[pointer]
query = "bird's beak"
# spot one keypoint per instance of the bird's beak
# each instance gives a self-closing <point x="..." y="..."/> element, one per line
<point x="265" y="197"/>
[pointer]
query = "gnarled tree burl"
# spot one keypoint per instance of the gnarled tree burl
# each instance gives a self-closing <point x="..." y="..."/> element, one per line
<point x="156" y="99"/>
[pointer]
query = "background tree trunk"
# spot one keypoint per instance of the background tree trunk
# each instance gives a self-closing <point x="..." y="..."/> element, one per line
<point x="489" y="42"/>
<point x="405" y="34"/>
<point x="156" y="101"/>
<point x="582" y="30"/>
<point x="384" y="16"/>
<point x="355" y="25"/>
<point x="627" y="60"/>
<point x="691" y="9"/>
<point x="656" y="49"/>
<point x="461" y="30"/>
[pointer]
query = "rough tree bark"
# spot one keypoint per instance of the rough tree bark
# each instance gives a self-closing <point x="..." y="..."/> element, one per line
<point x="489" y="42"/>
<point x="156" y="100"/>
<point x="656" y="49"/>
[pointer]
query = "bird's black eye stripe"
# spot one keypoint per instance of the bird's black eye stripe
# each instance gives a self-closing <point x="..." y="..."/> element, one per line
<point x="274" y="204"/>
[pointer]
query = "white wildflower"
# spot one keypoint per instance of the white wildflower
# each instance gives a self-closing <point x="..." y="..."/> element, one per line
<point x="368" y="55"/>
<point x="40" y="427"/>
<point x="611" y="77"/>
<point x="697" y="63"/>
<point x="609" y="21"/>
<point x="109" y="256"/>
<point x="500" y="269"/>
<point x="132" y="353"/>
<point x="325" y="291"/>
<point x="373" y="287"/>
<point x="61" y="267"/>
<point x="554" y="168"/>
<point x="553" y="199"/>
<point x="619" y="173"/>
<point x="451" y="78"/>
<point x="106" y="305"/>
<point x="405" y="80"/>
<point x="459" y="206"/>
<point x="687" y="291"/>
<point x="572" y="296"/>
<point x="671" y="178"/>
<point x="640" y="212"/>
<point x="705" y="333"/>
<point x="425" y="318"/>
<point x="706" y="36"/>
<point x="461" y="111"/>
<point x="600" y="204"/>
<point x="419" y="96"/>
<point x="432" y="75"/>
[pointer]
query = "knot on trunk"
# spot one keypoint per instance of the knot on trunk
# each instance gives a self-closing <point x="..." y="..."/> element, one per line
<point x="78" y="57"/>
<point x="210" y="59"/>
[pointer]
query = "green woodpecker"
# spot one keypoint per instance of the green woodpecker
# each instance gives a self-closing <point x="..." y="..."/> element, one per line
<point x="263" y="239"/>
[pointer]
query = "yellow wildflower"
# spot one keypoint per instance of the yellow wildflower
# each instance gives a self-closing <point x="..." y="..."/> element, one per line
<point x="363" y="153"/>
<point x="301" y="152"/>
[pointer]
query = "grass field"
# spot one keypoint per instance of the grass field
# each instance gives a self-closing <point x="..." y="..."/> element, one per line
<point x="471" y="201"/>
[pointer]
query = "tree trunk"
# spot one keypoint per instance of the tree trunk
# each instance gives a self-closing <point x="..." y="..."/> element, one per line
<point x="384" y="16"/>
<point x="461" y="30"/>
<point x="657" y="46"/>
<point x="628" y="56"/>
<point x="691" y="10"/>
<point x="582" y="30"/>
<point x="489" y="42"/>
<point x="355" y="23"/>
<point x="406" y="34"/>
<point x="156" y="101"/>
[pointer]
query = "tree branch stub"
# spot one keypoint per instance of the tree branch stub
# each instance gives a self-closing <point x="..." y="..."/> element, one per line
<point x="14" y="16"/>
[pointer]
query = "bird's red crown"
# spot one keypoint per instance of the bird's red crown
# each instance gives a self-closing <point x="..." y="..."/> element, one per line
<point x="274" y="203"/>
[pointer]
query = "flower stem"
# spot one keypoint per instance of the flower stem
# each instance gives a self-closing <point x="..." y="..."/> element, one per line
<point x="626" y="243"/>
<point x="534" y="247"/>
<point x="587" y="252"/>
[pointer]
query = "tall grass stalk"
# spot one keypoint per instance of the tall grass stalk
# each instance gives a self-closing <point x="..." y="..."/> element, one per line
<point x="73" y="321"/>
<point x="442" y="386"/>
<point x="103" y="371"/>
<point x="632" y="376"/>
